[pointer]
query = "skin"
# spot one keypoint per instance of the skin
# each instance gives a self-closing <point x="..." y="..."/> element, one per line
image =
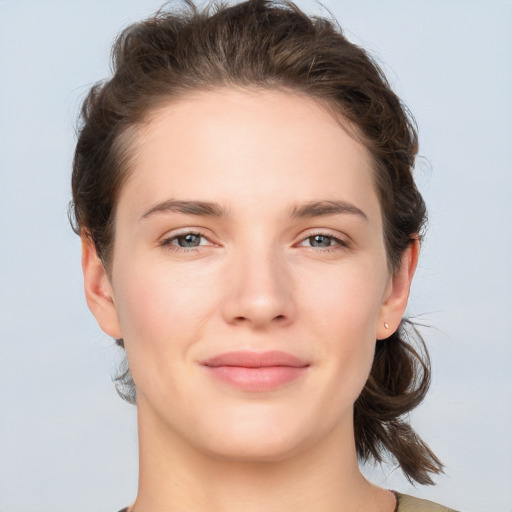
<point x="258" y="280"/>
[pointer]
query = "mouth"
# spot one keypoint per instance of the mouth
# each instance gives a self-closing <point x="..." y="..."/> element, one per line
<point x="256" y="371"/>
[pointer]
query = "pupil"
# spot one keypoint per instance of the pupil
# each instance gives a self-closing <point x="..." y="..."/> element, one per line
<point x="189" y="240"/>
<point x="320" y="241"/>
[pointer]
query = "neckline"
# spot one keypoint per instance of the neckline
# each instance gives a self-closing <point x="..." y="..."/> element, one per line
<point x="394" y="493"/>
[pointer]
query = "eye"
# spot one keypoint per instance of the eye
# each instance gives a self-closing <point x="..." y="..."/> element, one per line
<point x="188" y="240"/>
<point x="323" y="241"/>
<point x="184" y="241"/>
<point x="320" y="241"/>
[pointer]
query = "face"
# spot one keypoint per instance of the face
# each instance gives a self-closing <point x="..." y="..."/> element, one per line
<point x="249" y="277"/>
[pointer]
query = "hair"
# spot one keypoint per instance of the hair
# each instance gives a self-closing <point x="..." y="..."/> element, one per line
<point x="270" y="45"/>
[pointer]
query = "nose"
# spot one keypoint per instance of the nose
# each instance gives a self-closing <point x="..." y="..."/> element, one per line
<point x="258" y="290"/>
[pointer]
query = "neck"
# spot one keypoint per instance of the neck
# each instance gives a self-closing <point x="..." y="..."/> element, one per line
<point x="175" y="476"/>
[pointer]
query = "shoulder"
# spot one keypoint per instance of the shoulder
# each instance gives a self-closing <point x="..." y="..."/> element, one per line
<point x="407" y="503"/>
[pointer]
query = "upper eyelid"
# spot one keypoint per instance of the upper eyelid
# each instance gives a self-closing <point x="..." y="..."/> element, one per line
<point x="185" y="231"/>
<point x="168" y="241"/>
<point x="325" y="232"/>
<point x="338" y="240"/>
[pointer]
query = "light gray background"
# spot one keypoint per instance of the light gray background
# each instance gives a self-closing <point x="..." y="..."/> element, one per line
<point x="67" y="442"/>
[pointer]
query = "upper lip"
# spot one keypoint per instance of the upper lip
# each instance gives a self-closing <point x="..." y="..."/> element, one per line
<point x="250" y="359"/>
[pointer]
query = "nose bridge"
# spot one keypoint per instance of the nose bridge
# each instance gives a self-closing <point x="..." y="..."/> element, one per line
<point x="259" y="285"/>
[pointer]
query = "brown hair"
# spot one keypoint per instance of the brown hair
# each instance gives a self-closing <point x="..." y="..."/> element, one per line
<point x="272" y="45"/>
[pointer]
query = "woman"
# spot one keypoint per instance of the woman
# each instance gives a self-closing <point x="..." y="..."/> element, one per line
<point x="250" y="230"/>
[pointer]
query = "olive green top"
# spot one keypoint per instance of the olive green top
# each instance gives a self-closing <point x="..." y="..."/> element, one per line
<point x="405" y="503"/>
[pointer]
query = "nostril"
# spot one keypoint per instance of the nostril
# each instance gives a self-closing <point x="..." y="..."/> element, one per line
<point x="244" y="319"/>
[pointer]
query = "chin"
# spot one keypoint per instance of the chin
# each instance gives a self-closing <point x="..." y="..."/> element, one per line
<point x="256" y="440"/>
<point x="255" y="449"/>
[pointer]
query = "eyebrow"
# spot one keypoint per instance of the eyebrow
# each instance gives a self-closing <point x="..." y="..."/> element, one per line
<point x="209" y="209"/>
<point x="321" y="208"/>
<point x="201" y="208"/>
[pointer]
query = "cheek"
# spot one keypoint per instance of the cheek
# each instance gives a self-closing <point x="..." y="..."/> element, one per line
<point x="345" y="301"/>
<point x="344" y="318"/>
<point x="162" y="313"/>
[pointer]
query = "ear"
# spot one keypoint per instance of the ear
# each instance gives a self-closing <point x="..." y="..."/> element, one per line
<point x="397" y="292"/>
<point x="98" y="289"/>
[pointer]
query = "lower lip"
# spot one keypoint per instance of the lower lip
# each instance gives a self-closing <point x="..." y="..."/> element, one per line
<point x="257" y="379"/>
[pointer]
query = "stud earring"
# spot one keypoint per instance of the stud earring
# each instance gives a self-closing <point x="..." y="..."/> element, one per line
<point x="386" y="325"/>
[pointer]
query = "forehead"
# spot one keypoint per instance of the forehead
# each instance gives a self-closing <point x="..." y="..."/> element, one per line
<point x="247" y="146"/>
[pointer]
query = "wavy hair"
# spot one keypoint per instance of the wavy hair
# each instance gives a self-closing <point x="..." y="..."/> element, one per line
<point x="271" y="45"/>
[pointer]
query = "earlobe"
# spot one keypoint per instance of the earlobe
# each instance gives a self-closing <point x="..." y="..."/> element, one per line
<point x="395" y="303"/>
<point x="98" y="289"/>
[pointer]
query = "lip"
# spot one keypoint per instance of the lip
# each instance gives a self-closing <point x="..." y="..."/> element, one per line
<point x="256" y="371"/>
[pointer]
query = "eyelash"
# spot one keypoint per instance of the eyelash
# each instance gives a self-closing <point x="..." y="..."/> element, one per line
<point x="338" y="242"/>
<point x="169" y="242"/>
